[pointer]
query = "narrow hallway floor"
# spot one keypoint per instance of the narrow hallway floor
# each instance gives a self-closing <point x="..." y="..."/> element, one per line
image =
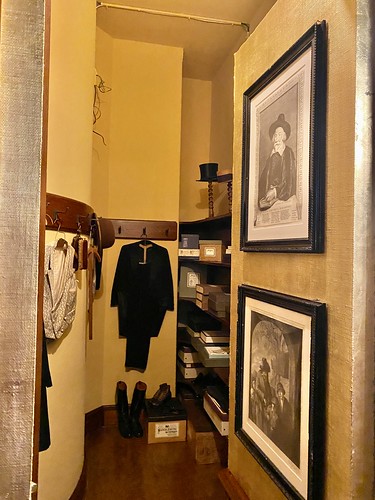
<point x="124" y="469"/>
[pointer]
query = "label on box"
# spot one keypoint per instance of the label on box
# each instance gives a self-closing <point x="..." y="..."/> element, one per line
<point x="188" y="252"/>
<point x="192" y="279"/>
<point x="167" y="430"/>
<point x="209" y="252"/>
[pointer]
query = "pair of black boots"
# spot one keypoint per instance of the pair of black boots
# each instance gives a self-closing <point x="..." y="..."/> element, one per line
<point x="128" y="419"/>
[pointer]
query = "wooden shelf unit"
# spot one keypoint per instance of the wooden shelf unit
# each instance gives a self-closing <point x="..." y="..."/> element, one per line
<point x="212" y="228"/>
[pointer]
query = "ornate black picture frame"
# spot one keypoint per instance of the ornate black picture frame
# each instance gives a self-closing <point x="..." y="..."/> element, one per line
<point x="283" y="151"/>
<point x="280" y="387"/>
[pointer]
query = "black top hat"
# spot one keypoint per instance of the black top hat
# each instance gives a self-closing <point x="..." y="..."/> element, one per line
<point x="208" y="172"/>
<point x="280" y="122"/>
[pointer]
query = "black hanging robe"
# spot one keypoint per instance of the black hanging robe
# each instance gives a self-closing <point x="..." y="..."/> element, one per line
<point x="143" y="291"/>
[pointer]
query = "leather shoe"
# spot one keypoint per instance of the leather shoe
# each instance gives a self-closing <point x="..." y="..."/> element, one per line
<point x="162" y="395"/>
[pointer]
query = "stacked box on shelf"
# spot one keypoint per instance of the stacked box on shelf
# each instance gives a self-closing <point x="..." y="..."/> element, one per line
<point x="215" y="336"/>
<point x="202" y="293"/>
<point x="201" y="301"/>
<point x="217" y="412"/>
<point x="189" y="241"/>
<point x="189" y="362"/>
<point x="188" y="354"/>
<point x="211" y="250"/>
<point x="219" y="304"/>
<point x="207" y="288"/>
<point x="190" y="275"/>
<point x="212" y="355"/>
<point x="190" y="370"/>
<point x="220" y="419"/>
<point x="189" y="246"/>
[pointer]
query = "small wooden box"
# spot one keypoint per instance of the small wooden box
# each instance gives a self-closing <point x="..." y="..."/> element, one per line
<point x="211" y="252"/>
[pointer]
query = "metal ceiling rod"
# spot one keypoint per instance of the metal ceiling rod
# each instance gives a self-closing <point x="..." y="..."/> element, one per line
<point x="245" y="26"/>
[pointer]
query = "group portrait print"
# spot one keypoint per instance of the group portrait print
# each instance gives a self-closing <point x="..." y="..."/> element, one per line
<point x="279" y="402"/>
<point x="284" y="151"/>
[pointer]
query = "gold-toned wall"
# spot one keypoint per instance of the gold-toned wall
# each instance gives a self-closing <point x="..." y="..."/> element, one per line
<point x="207" y="135"/>
<point x="68" y="174"/>
<point x="195" y="147"/>
<point x="326" y="277"/>
<point x="221" y="140"/>
<point x="100" y="200"/>
<point x="140" y="168"/>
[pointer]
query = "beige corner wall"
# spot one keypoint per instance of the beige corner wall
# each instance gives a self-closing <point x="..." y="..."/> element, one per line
<point x="221" y="140"/>
<point x="100" y="200"/>
<point x="140" y="168"/>
<point x="326" y="277"/>
<point x="68" y="174"/>
<point x="195" y="147"/>
<point x="207" y="133"/>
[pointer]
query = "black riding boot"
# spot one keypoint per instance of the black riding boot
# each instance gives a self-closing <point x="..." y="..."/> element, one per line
<point x="136" y="408"/>
<point x="123" y="410"/>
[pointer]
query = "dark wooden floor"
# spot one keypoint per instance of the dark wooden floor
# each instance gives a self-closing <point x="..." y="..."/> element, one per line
<point x="119" y="468"/>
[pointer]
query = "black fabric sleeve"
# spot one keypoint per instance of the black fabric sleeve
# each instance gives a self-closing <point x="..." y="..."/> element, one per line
<point x="165" y="281"/>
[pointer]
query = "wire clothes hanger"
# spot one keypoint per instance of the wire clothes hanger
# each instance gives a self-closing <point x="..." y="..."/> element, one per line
<point x="145" y="245"/>
<point x="61" y="244"/>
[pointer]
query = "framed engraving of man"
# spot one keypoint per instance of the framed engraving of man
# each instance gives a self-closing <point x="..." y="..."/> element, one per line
<point x="284" y="151"/>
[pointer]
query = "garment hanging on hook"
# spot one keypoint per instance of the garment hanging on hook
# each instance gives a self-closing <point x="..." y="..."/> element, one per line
<point x="143" y="294"/>
<point x="80" y="246"/>
<point x="60" y="290"/>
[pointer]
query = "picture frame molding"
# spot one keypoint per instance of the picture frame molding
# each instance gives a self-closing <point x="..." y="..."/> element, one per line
<point x="313" y="223"/>
<point x="317" y="390"/>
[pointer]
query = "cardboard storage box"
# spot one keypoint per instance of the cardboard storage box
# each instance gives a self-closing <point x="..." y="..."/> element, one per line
<point x="219" y="417"/>
<point x="206" y="288"/>
<point x="190" y="276"/>
<point x="211" y="252"/>
<point x="201" y="301"/>
<point x="166" y="423"/>
<point x="189" y="241"/>
<point x="219" y="301"/>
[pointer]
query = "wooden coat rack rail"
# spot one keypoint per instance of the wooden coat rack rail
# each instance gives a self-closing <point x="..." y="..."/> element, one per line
<point x="131" y="229"/>
<point x="67" y="214"/>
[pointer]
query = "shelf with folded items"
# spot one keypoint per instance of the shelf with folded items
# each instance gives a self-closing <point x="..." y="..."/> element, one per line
<point x="198" y="311"/>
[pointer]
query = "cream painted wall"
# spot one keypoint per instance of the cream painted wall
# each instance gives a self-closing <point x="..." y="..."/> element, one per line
<point x="207" y="136"/>
<point x="100" y="200"/>
<point x="326" y="277"/>
<point x="143" y="163"/>
<point x="221" y="140"/>
<point x="195" y="147"/>
<point x="68" y="174"/>
<point x="70" y="99"/>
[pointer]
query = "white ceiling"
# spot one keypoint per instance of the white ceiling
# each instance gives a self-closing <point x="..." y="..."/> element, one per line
<point x="205" y="45"/>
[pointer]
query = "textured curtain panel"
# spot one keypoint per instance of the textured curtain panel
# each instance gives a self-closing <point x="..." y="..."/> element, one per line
<point x="21" y="102"/>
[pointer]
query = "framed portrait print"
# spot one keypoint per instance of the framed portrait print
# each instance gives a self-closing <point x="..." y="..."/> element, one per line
<point x="283" y="151"/>
<point x="280" y="387"/>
